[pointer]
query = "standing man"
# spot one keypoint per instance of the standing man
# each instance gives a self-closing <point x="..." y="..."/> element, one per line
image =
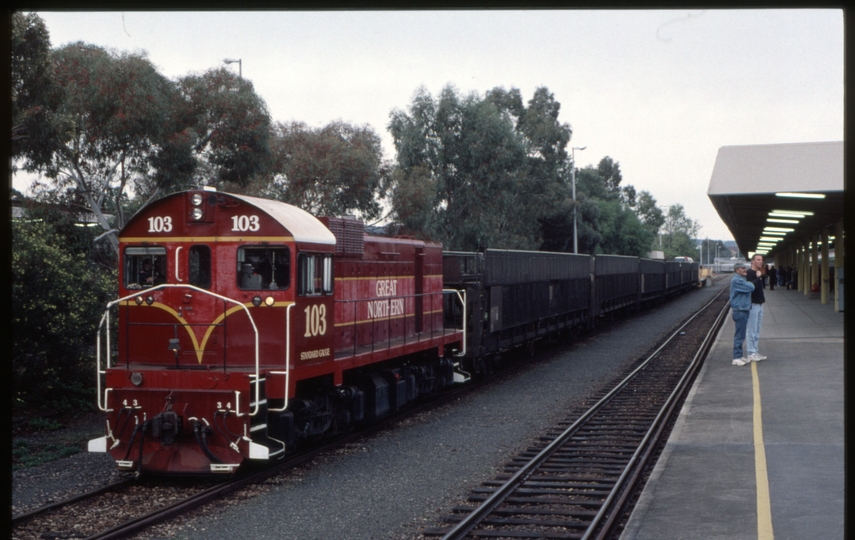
<point x="740" y="307"/>
<point x="755" y="317"/>
<point x="773" y="276"/>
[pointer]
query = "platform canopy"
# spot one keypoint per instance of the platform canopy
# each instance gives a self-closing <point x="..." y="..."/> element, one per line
<point x="796" y="187"/>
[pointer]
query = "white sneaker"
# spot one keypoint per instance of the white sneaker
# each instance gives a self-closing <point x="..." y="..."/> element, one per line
<point x="756" y="357"/>
<point x="740" y="361"/>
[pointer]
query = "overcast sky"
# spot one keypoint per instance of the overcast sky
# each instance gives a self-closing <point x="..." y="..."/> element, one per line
<point x="657" y="91"/>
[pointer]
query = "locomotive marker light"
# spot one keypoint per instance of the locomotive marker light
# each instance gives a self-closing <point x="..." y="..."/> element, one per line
<point x="197" y="213"/>
<point x="269" y="301"/>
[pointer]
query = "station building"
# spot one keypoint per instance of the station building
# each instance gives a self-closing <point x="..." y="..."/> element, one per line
<point x="785" y="201"/>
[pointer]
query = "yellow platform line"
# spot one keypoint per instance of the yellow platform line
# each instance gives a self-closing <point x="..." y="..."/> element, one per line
<point x="764" y="505"/>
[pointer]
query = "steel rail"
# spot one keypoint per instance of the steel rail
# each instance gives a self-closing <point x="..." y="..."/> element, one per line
<point x="22" y="518"/>
<point x="162" y="514"/>
<point x="467" y="524"/>
<point x="642" y="455"/>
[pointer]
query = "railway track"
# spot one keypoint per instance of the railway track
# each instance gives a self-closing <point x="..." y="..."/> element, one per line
<point x="126" y="508"/>
<point x="579" y="481"/>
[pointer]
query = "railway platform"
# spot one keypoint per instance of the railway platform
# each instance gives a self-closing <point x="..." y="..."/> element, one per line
<point x="758" y="450"/>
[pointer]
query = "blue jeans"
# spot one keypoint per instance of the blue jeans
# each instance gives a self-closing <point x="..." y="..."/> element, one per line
<point x="755" y="318"/>
<point x="740" y="318"/>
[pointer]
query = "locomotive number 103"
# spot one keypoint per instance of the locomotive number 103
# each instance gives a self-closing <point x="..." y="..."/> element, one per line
<point x="316" y="320"/>
<point x="239" y="223"/>
<point x="245" y="223"/>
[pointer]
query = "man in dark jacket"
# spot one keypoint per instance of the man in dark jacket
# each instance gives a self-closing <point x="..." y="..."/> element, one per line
<point x="740" y="307"/>
<point x="755" y="316"/>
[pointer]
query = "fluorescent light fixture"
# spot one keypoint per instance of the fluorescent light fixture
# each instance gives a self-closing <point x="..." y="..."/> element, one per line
<point x="793" y="212"/>
<point x="801" y="195"/>
<point x="774" y="233"/>
<point x="779" y="229"/>
<point x="770" y="239"/>
<point x="793" y="216"/>
<point x="774" y="220"/>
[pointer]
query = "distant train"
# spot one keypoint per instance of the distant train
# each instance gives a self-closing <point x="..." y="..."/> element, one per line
<point x="245" y="325"/>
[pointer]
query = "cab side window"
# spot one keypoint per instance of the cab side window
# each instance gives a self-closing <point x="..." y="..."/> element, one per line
<point x="315" y="274"/>
<point x="145" y="266"/>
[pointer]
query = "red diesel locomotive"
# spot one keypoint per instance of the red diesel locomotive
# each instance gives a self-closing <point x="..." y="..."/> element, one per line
<point x="246" y="325"/>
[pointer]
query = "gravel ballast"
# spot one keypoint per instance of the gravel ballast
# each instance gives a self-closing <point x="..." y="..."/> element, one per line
<point x="394" y="484"/>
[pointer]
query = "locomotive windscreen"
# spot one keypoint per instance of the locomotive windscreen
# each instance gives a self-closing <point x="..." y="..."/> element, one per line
<point x="144" y="266"/>
<point x="263" y="267"/>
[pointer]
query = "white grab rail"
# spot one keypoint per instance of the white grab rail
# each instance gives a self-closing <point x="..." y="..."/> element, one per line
<point x="461" y="295"/>
<point x="106" y="317"/>
<point x="287" y="371"/>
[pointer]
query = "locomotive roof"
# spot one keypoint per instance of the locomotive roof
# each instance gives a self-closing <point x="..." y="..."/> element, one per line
<point x="303" y="226"/>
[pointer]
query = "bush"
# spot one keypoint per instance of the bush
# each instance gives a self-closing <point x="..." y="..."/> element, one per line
<point x="58" y="296"/>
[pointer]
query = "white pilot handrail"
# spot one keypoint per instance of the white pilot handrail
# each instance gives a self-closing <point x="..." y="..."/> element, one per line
<point x="461" y="295"/>
<point x="170" y="286"/>
<point x="287" y="371"/>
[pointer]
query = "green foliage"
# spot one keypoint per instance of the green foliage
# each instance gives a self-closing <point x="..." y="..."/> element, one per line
<point x="332" y="171"/>
<point x="102" y="125"/>
<point x="30" y="454"/>
<point x="649" y="214"/>
<point x="622" y="232"/>
<point x="625" y="222"/>
<point x="225" y="124"/>
<point x="558" y="228"/>
<point x="44" y="424"/>
<point x="678" y="230"/>
<point x="37" y="126"/>
<point x="116" y="107"/>
<point x="58" y="294"/>
<point x="477" y="172"/>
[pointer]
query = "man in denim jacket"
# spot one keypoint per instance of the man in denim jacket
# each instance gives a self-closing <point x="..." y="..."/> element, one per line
<point x="740" y="307"/>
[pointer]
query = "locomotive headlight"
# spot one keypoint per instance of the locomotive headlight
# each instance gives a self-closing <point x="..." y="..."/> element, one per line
<point x="138" y="300"/>
<point x="269" y="301"/>
<point x="136" y="378"/>
<point x="149" y="300"/>
<point x="196" y="199"/>
<point x="197" y="213"/>
<point x="256" y="301"/>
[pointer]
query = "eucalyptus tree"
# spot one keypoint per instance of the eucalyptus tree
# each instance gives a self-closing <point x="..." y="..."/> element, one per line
<point x="333" y="170"/>
<point x="37" y="126"/>
<point x="477" y="172"/>
<point x="627" y="220"/>
<point x="678" y="232"/>
<point x="116" y="106"/>
<point x="224" y="124"/>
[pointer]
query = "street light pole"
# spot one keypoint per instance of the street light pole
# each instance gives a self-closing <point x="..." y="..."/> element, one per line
<point x="573" y="176"/>
<point x="239" y="63"/>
